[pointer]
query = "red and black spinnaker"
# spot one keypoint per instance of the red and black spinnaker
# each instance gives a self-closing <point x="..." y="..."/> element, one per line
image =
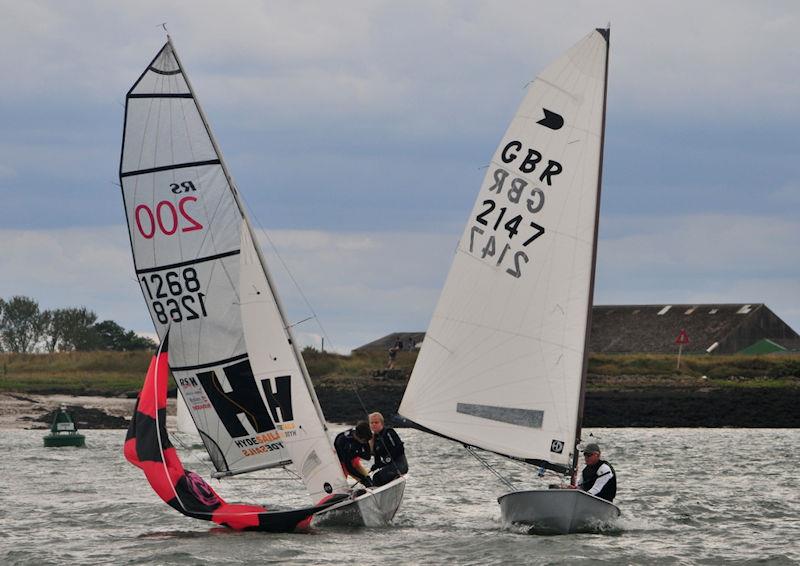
<point x="147" y="446"/>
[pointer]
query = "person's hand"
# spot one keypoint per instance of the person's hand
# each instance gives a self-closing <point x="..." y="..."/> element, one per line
<point x="367" y="482"/>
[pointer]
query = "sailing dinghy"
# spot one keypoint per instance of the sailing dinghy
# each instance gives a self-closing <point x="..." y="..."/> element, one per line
<point x="206" y="285"/>
<point x="503" y="364"/>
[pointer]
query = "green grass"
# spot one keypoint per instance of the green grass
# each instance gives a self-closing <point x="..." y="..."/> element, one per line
<point x="114" y="373"/>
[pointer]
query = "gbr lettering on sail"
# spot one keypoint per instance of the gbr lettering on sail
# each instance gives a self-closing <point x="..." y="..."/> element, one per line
<point x="505" y="224"/>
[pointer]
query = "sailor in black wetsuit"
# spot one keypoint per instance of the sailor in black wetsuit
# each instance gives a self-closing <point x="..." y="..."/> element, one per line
<point x="351" y="447"/>
<point x="390" y="455"/>
<point x="598" y="477"/>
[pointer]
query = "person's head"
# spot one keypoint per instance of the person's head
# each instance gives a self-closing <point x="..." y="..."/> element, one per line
<point x="376" y="422"/>
<point x="591" y="453"/>
<point x="362" y="432"/>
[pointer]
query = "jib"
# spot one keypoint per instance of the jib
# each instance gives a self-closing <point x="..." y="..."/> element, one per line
<point x="531" y="160"/>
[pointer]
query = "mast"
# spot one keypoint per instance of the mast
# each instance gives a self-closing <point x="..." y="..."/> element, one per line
<point x="259" y="253"/>
<point x="606" y="33"/>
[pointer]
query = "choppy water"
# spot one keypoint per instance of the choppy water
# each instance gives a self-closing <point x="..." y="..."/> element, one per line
<point x="688" y="496"/>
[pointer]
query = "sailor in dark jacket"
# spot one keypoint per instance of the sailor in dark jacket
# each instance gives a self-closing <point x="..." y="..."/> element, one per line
<point x="598" y="477"/>
<point x="390" y="455"/>
<point x="351" y="447"/>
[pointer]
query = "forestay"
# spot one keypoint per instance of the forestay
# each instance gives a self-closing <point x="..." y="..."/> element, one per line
<point x="185" y="230"/>
<point x="501" y="364"/>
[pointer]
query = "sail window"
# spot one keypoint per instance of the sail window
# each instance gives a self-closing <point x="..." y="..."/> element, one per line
<point x="522" y="417"/>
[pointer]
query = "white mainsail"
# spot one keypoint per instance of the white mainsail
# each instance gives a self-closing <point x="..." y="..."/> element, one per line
<point x="502" y="362"/>
<point x="231" y="352"/>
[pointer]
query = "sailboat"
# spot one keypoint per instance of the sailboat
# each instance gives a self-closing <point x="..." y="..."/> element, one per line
<point x="503" y="364"/>
<point x="232" y="352"/>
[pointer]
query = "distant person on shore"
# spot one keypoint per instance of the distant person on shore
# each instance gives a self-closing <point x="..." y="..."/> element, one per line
<point x="392" y="356"/>
<point x="352" y="446"/>
<point x="390" y="455"/>
<point x="598" y="477"/>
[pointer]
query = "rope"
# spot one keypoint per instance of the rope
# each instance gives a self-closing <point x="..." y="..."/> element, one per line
<point x="304" y="297"/>
<point x="488" y="466"/>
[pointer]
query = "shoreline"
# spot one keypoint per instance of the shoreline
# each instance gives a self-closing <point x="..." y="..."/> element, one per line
<point x="658" y="407"/>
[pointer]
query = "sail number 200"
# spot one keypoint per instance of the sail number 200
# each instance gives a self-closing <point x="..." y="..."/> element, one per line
<point x="175" y="295"/>
<point x="166" y="218"/>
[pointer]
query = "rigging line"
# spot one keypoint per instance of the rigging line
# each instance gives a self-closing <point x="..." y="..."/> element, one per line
<point x="187" y="449"/>
<point x="488" y="466"/>
<point x="288" y="271"/>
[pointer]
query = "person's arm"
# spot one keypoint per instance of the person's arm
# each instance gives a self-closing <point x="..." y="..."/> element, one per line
<point x="396" y="448"/>
<point x="604" y="474"/>
<point x="354" y="468"/>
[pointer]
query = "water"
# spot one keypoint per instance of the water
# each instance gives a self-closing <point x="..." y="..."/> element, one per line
<point x="688" y="496"/>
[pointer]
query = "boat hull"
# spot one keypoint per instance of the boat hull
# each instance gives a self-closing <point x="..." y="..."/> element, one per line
<point x="375" y="508"/>
<point x="59" y="440"/>
<point x="557" y="511"/>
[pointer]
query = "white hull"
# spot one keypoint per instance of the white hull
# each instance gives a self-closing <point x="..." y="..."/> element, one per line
<point x="557" y="511"/>
<point x="375" y="508"/>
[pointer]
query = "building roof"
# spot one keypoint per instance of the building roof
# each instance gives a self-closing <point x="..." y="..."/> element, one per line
<point x="720" y="328"/>
<point x="708" y="327"/>
<point x="409" y="341"/>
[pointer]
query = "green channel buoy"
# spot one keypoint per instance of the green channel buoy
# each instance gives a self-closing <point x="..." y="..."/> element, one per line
<point x="63" y="432"/>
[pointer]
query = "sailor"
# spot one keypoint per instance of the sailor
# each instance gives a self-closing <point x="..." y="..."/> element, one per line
<point x="351" y="447"/>
<point x="598" y="477"/>
<point x="390" y="455"/>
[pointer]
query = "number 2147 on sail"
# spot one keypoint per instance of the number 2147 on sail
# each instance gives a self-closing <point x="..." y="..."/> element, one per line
<point x="487" y="248"/>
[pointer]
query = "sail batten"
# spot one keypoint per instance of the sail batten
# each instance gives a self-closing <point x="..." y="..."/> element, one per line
<point x="502" y="362"/>
<point x="170" y="167"/>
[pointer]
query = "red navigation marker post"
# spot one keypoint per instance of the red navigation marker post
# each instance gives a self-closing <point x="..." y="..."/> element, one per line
<point x="682" y="339"/>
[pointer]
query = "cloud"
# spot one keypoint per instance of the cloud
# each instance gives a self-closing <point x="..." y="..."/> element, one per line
<point x="7" y="172"/>
<point x="711" y="258"/>
<point x="360" y="133"/>
<point x="359" y="286"/>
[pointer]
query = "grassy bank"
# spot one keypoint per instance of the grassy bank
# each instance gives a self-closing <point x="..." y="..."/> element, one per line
<point x="115" y="373"/>
<point x="100" y="373"/>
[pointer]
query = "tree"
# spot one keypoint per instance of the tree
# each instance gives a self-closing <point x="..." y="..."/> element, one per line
<point x="21" y="325"/>
<point x="74" y="330"/>
<point x="111" y="336"/>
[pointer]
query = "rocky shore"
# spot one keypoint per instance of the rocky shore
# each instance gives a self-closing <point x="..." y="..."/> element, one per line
<point x="746" y="407"/>
<point x="671" y="407"/>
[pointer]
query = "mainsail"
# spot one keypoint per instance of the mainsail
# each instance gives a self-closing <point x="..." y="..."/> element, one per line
<point x="502" y="364"/>
<point x="204" y="281"/>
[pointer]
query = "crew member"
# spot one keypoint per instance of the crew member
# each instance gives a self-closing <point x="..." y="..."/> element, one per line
<point x="390" y="455"/>
<point x="351" y="447"/>
<point x="598" y="477"/>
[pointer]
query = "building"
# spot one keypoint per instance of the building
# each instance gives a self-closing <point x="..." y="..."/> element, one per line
<point x="708" y="328"/>
<point x="716" y="328"/>
<point x="405" y="340"/>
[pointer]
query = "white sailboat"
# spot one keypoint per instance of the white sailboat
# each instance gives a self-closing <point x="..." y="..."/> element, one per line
<point x="205" y="282"/>
<point x="503" y="364"/>
<point x="183" y="419"/>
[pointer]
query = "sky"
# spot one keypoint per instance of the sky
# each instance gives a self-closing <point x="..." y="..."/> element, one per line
<point x="359" y="132"/>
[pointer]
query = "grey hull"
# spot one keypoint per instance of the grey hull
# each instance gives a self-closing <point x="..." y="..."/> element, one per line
<point x="557" y="511"/>
<point x="375" y="508"/>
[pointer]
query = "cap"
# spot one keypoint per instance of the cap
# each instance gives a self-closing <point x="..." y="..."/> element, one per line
<point x="591" y="448"/>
